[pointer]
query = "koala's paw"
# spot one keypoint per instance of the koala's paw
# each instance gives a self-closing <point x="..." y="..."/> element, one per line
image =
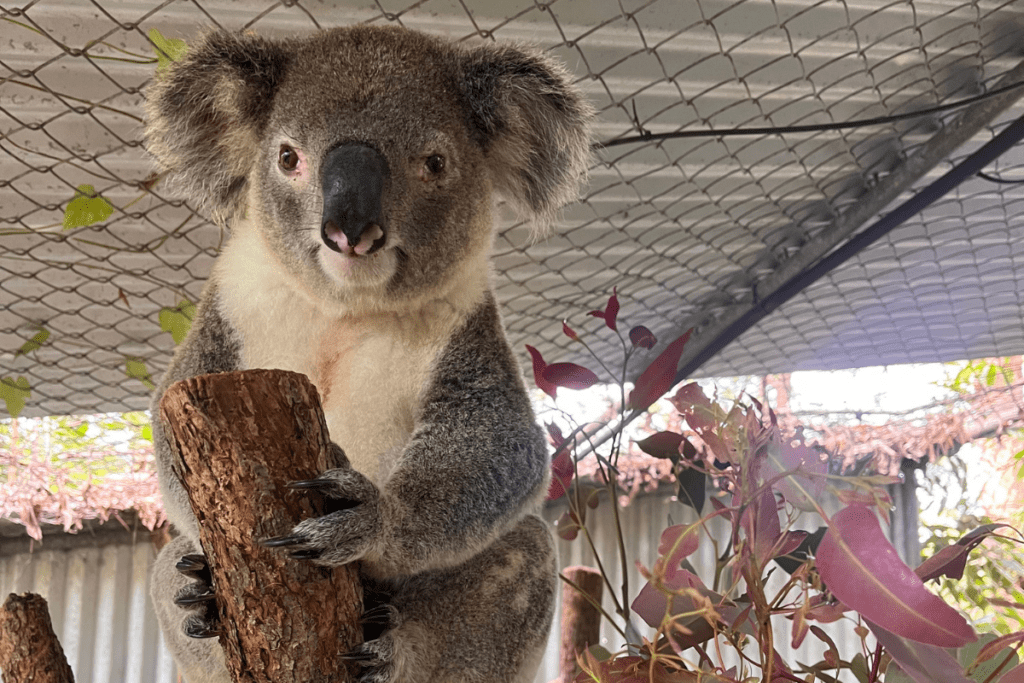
<point x="198" y="596"/>
<point x="350" y="526"/>
<point x="376" y="659"/>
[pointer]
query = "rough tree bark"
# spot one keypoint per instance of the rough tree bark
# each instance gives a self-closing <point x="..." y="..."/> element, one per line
<point x="581" y="620"/>
<point x="29" y="649"/>
<point x="242" y="437"/>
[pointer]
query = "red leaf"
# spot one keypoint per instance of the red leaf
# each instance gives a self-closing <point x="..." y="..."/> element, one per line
<point x="555" y="437"/>
<point x="997" y="646"/>
<point x="952" y="560"/>
<point x="642" y="337"/>
<point x="761" y="523"/>
<point x="692" y="404"/>
<point x="676" y="544"/>
<point x="610" y="312"/>
<point x="662" y="445"/>
<point x="659" y="375"/>
<point x="924" y="663"/>
<point x="569" y="375"/>
<point x="538" y="373"/>
<point x="569" y="332"/>
<point x="652" y="603"/>
<point x="861" y="568"/>
<point x="561" y="475"/>
<point x="798" y="489"/>
<point x="1014" y="675"/>
<point x="567" y="526"/>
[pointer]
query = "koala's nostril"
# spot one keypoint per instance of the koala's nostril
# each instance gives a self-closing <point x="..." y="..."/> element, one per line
<point x="371" y="240"/>
<point x="332" y="236"/>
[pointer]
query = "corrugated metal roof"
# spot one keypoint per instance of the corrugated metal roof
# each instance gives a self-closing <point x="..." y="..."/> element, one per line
<point x="684" y="228"/>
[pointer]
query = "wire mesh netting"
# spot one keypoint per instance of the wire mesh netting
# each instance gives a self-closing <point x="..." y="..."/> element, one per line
<point x="92" y="251"/>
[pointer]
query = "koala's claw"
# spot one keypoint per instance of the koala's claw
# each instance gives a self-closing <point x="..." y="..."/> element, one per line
<point x="385" y="616"/>
<point x="376" y="658"/>
<point x="197" y="627"/>
<point x="197" y="597"/>
<point x="306" y="554"/>
<point x="195" y="567"/>
<point x="324" y="485"/>
<point x="191" y="563"/>
<point x="348" y="529"/>
<point x="282" y="541"/>
<point x="190" y="596"/>
<point x="359" y="656"/>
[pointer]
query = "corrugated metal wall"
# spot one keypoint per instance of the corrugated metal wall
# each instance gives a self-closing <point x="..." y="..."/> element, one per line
<point x="99" y="597"/>
<point x="99" y="605"/>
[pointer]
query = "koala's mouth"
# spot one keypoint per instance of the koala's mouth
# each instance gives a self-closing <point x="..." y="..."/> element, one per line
<point x="371" y="240"/>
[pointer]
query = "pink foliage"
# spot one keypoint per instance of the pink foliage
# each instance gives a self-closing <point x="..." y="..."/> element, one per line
<point x="861" y="568"/>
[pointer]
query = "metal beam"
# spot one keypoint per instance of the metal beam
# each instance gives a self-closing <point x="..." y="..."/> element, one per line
<point x="939" y="148"/>
<point x="768" y="294"/>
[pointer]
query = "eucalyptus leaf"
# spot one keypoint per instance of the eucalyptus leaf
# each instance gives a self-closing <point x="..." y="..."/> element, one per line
<point x="167" y="49"/>
<point x="37" y="340"/>
<point x="86" y="207"/>
<point x="178" y="320"/>
<point x="14" y="392"/>
<point x="136" y="369"/>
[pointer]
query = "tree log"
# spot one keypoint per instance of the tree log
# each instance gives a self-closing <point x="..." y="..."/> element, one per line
<point x="29" y="649"/>
<point x="581" y="620"/>
<point x="241" y="438"/>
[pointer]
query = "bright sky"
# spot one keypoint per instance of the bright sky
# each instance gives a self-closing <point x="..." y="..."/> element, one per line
<point x="893" y="388"/>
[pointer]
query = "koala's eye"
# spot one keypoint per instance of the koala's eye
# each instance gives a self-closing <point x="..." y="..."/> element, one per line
<point x="434" y="164"/>
<point x="287" y="158"/>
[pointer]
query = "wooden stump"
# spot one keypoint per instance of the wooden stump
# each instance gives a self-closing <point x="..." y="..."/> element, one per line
<point x="581" y="620"/>
<point x="29" y="649"/>
<point x="242" y="437"/>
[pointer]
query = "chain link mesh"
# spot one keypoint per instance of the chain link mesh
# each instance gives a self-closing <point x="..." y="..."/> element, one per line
<point x="684" y="228"/>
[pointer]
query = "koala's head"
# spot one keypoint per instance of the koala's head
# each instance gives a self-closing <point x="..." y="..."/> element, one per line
<point x="368" y="156"/>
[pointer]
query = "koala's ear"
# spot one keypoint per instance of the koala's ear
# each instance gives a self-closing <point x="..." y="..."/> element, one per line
<point x="532" y="122"/>
<point x="206" y="114"/>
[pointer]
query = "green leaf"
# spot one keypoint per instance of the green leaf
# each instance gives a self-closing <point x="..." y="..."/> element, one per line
<point x="963" y="377"/>
<point x="87" y="207"/>
<point x="178" y="320"/>
<point x="167" y="49"/>
<point x="993" y="372"/>
<point x="147" y="433"/>
<point x="14" y="393"/>
<point x="136" y="369"/>
<point x="37" y="340"/>
<point x="967" y="655"/>
<point x="894" y="674"/>
<point x="859" y="668"/>
<point x="82" y="429"/>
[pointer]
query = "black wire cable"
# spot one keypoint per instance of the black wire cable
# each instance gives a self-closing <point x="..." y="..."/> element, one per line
<point x="647" y="136"/>
<point x="997" y="179"/>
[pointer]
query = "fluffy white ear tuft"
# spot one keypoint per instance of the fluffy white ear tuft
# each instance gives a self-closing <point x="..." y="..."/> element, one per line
<point x="534" y="125"/>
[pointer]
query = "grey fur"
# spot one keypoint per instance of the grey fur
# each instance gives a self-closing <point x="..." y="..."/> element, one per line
<point x="405" y="344"/>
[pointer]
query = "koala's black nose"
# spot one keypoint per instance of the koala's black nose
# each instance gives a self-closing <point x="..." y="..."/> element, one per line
<point x="353" y="185"/>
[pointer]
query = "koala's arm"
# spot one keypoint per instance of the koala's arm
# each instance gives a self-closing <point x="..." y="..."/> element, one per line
<point x="212" y="345"/>
<point x="477" y="460"/>
<point x="475" y="464"/>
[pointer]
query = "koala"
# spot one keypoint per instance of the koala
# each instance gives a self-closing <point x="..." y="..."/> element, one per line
<point x="356" y="170"/>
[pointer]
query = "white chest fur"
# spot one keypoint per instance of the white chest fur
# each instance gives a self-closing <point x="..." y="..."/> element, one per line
<point x="371" y="370"/>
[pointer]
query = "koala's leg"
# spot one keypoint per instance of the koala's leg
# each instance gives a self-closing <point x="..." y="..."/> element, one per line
<point x="485" y="621"/>
<point x="199" y="660"/>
